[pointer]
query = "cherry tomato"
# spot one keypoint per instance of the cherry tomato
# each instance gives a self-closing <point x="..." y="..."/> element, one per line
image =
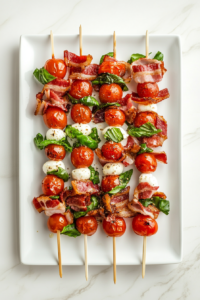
<point x="144" y="117"/>
<point x="110" y="93"/>
<point x="55" y="152"/>
<point x="82" y="157"/>
<point x="144" y="225"/>
<point x="111" y="150"/>
<point x="52" y="185"/>
<point x="147" y="89"/>
<point x="146" y="163"/>
<point x="87" y="225"/>
<point x="111" y="67"/>
<point x="80" y="89"/>
<point x="55" y="118"/>
<point x="109" y="182"/>
<point x="114" y="117"/>
<point x="81" y="114"/>
<point x="56" y="67"/>
<point x="114" y="228"/>
<point x="56" y="222"/>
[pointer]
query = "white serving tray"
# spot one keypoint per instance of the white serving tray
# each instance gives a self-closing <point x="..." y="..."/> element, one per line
<point x="36" y="246"/>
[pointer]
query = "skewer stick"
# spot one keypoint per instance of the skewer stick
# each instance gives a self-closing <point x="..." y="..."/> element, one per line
<point x="114" y="45"/>
<point x="85" y="235"/>
<point x="145" y="238"/>
<point x="59" y="253"/>
<point x="52" y="44"/>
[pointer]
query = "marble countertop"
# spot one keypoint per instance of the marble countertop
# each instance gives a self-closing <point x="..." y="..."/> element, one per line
<point x="161" y="282"/>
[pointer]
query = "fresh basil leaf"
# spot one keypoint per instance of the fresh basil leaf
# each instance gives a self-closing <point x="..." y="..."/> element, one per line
<point x="95" y="108"/>
<point x="43" y="76"/>
<point x="76" y="144"/>
<point x="102" y="58"/>
<point x="144" y="149"/>
<point x="110" y="78"/>
<point x="135" y="57"/>
<point x="70" y="188"/>
<point x="67" y="207"/>
<point x="88" y="100"/>
<point x="124" y="179"/>
<point x="159" y="56"/>
<point x="41" y="142"/>
<point x="162" y="204"/>
<point x="70" y="230"/>
<point x="114" y="134"/>
<point x="94" y="177"/>
<point x="61" y="173"/>
<point x="94" y="135"/>
<point x="146" y="130"/>
<point x="54" y="197"/>
<point x="85" y="140"/>
<point x="94" y="204"/>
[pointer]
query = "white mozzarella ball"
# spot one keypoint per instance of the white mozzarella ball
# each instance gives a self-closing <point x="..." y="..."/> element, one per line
<point x="113" y="169"/>
<point x="148" y="178"/>
<point x="81" y="174"/>
<point x="83" y="128"/>
<point x="150" y="107"/>
<point x="124" y="133"/>
<point x="52" y="165"/>
<point x="55" y="134"/>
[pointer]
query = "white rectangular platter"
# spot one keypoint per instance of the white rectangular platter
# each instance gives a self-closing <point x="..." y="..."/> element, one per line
<point x="37" y="246"/>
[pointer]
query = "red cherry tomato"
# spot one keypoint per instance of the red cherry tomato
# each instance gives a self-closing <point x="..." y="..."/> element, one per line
<point x="109" y="182"/>
<point x="80" y="89"/>
<point x="111" y="150"/>
<point x="87" y="225"/>
<point x="55" y="152"/>
<point x="114" y="117"/>
<point x="81" y="114"/>
<point x="114" y="228"/>
<point x="82" y="157"/>
<point x="110" y="93"/>
<point x="147" y="89"/>
<point x="56" y="222"/>
<point x="55" y="118"/>
<point x="118" y="69"/>
<point x="146" y="163"/>
<point x="52" y="185"/>
<point x="144" y="117"/>
<point x="56" y="67"/>
<point x="144" y="225"/>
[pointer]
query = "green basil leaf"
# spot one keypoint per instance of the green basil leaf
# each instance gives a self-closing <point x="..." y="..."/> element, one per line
<point x="135" y="57"/>
<point x="67" y="207"/>
<point x="162" y="204"/>
<point x="70" y="230"/>
<point x="102" y="58"/>
<point x="110" y="78"/>
<point x="159" y="56"/>
<point x="146" y="202"/>
<point x="104" y="106"/>
<point x="146" y="130"/>
<point x="114" y="134"/>
<point x="43" y="76"/>
<point x="124" y="179"/>
<point x="85" y="140"/>
<point x="94" y="204"/>
<point x="94" y="135"/>
<point x="94" y="177"/>
<point x="88" y="100"/>
<point x="61" y="173"/>
<point x="54" y="197"/>
<point x="144" y="149"/>
<point x="41" y="142"/>
<point x="70" y="188"/>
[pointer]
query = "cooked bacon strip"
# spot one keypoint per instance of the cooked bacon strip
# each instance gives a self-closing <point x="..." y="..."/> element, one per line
<point x="85" y="187"/>
<point x="128" y="108"/>
<point x="128" y="71"/>
<point x="78" y="202"/>
<point x="104" y="160"/>
<point x="133" y="145"/>
<point x="89" y="73"/>
<point x="137" y="207"/>
<point x="144" y="190"/>
<point x="97" y="213"/>
<point x="59" y="86"/>
<point x="48" y="205"/>
<point x="69" y="216"/>
<point x="126" y="213"/>
<point x="161" y="123"/>
<point x="162" y="95"/>
<point x="108" y="58"/>
<point x="99" y="116"/>
<point x="160" y="156"/>
<point x="73" y="60"/>
<point x="148" y="70"/>
<point x="129" y="160"/>
<point x="121" y="196"/>
<point x="153" y="141"/>
<point x="106" y="200"/>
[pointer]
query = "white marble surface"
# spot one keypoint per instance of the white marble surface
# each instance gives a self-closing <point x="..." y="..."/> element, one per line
<point x="133" y="17"/>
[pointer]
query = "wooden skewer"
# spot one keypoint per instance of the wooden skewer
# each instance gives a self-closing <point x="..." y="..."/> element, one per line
<point x="85" y="235"/>
<point x="52" y="44"/>
<point x="114" y="45"/>
<point x="145" y="238"/>
<point x="59" y="253"/>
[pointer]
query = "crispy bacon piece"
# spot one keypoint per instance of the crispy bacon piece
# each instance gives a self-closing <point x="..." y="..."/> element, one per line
<point x="160" y="156"/>
<point x="99" y="116"/>
<point x="73" y="60"/>
<point x="48" y="205"/>
<point x="78" y="202"/>
<point x="89" y="73"/>
<point x="144" y="190"/>
<point x="128" y="108"/>
<point x="128" y="71"/>
<point x="161" y="123"/>
<point x="97" y="213"/>
<point x="104" y="160"/>
<point x="69" y="216"/>
<point x="148" y="70"/>
<point x="131" y="148"/>
<point x="162" y="95"/>
<point x="137" y="207"/>
<point x="107" y="203"/>
<point x="59" y="86"/>
<point x="129" y="160"/>
<point x="153" y="141"/>
<point x="85" y="187"/>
